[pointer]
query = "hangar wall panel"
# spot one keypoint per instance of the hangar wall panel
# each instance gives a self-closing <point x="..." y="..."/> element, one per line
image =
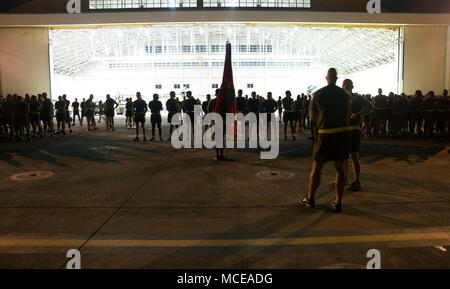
<point x="447" y="71"/>
<point x="24" y="60"/>
<point x="425" y="52"/>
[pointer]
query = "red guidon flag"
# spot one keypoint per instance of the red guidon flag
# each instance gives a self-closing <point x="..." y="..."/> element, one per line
<point x="226" y="101"/>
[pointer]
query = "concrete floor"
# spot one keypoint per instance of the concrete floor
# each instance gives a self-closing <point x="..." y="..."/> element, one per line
<point x="147" y="205"/>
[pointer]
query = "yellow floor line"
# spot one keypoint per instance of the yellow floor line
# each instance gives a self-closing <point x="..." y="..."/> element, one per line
<point x="19" y="242"/>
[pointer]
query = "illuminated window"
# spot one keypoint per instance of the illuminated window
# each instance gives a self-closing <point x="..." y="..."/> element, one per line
<point x="217" y="48"/>
<point x="186" y="49"/>
<point x="254" y="48"/>
<point x="200" y="48"/>
<point x="172" y="49"/>
<point x="242" y="48"/>
<point x="258" y="3"/>
<point x="136" y="4"/>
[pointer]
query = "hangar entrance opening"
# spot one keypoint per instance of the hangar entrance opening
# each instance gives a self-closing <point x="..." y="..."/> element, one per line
<point x="161" y="58"/>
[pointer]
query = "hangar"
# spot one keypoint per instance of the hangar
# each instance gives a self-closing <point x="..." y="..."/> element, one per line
<point x="119" y="47"/>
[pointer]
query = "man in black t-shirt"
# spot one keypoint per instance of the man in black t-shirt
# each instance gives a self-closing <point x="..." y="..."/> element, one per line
<point x="47" y="115"/>
<point x="254" y="104"/>
<point x="67" y="112"/>
<point x="205" y="104"/>
<point x="280" y="108"/>
<point x="241" y="107"/>
<point x="298" y="114"/>
<point x="212" y="103"/>
<point x="359" y="107"/>
<point x="110" y="106"/>
<point x="269" y="106"/>
<point x="399" y="115"/>
<point x="188" y="107"/>
<point x="90" y="113"/>
<point x="156" y="107"/>
<point x="289" y="114"/>
<point x="241" y="103"/>
<point x="76" y="111"/>
<point x="83" y="111"/>
<point x="35" y="116"/>
<point x="173" y="108"/>
<point x="429" y="113"/>
<point x="140" y="109"/>
<point x="21" y="115"/>
<point x="416" y="110"/>
<point x="61" y="115"/>
<point x="330" y="111"/>
<point x="129" y="113"/>
<point x="381" y="113"/>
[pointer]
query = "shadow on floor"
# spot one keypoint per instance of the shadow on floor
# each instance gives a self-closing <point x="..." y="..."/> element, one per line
<point x="77" y="146"/>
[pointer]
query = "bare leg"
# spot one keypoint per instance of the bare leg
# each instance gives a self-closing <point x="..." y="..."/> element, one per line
<point x="160" y="131"/>
<point x="314" y="179"/>
<point x="356" y="166"/>
<point x="68" y="122"/>
<point x="346" y="166"/>
<point x="293" y="130"/>
<point x="340" y="181"/>
<point x="27" y="128"/>
<point x="33" y="127"/>
<point x="285" y="130"/>
<point x="170" y="133"/>
<point x="143" y="130"/>
<point x="40" y="128"/>
<point x="45" y="129"/>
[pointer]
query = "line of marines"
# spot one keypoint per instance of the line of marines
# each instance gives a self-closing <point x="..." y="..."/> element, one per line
<point x="24" y="118"/>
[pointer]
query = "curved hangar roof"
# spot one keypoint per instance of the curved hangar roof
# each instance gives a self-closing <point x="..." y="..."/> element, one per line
<point x="349" y="49"/>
